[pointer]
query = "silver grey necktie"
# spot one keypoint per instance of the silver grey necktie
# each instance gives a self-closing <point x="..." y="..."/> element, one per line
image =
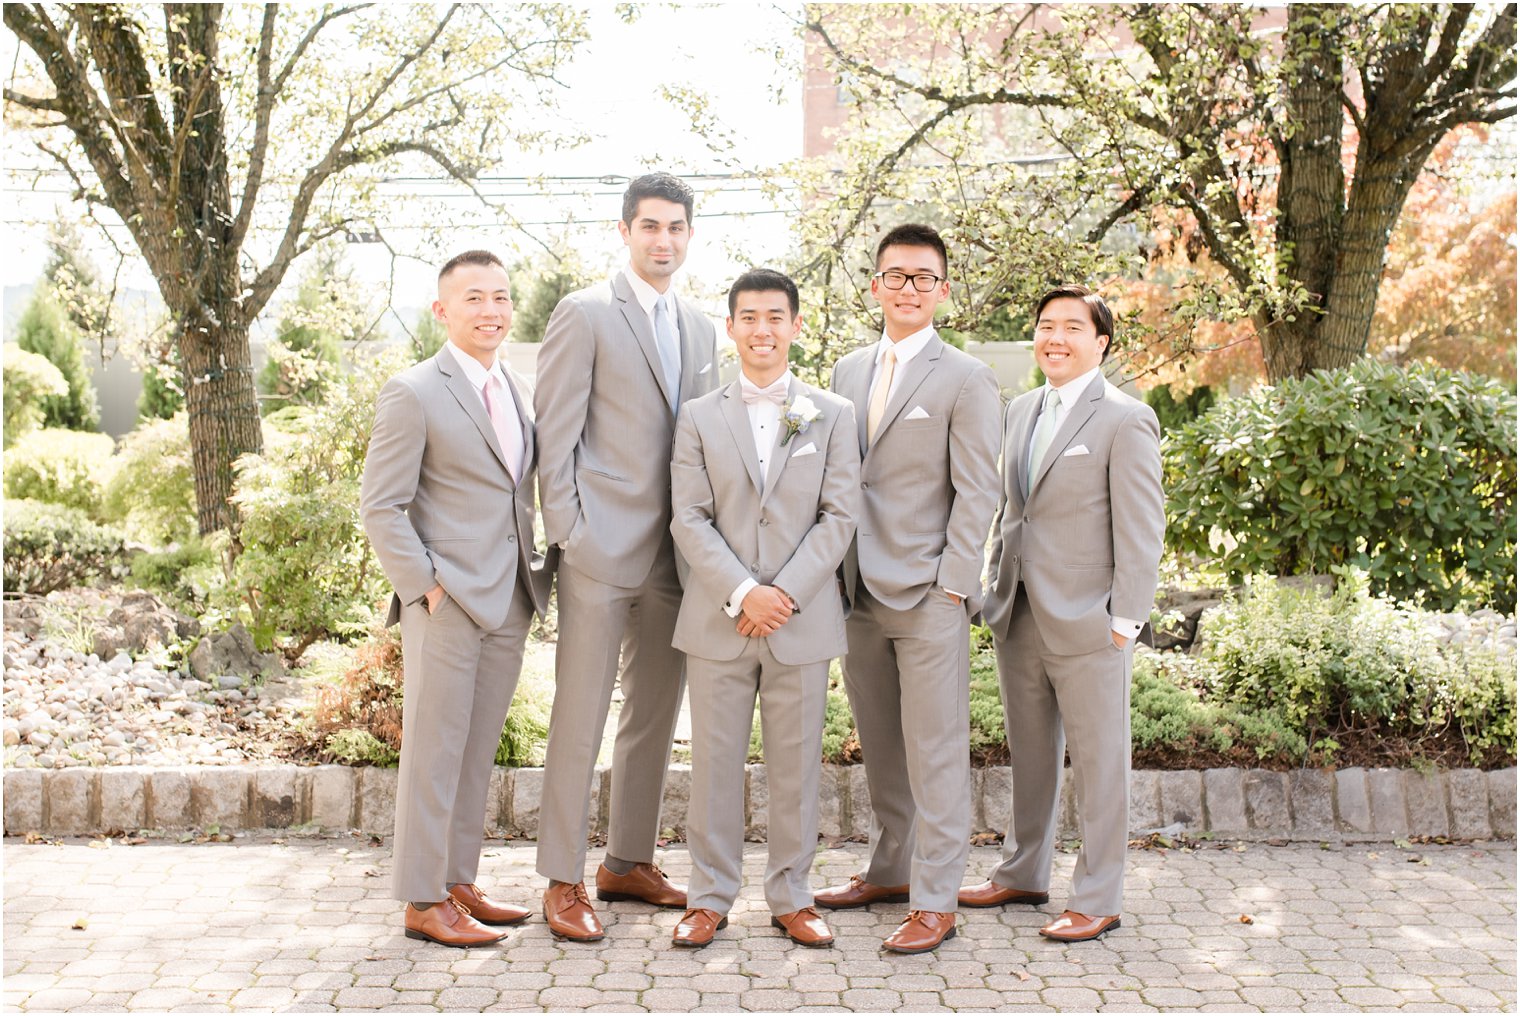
<point x="669" y="345"/>
<point x="1044" y="431"/>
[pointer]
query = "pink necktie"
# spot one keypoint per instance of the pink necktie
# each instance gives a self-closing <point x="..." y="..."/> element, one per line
<point x="504" y="421"/>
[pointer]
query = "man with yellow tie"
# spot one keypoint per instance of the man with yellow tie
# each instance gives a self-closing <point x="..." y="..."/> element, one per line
<point x="929" y="432"/>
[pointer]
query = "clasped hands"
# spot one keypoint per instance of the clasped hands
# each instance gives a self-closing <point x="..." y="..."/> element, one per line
<point x="765" y="609"/>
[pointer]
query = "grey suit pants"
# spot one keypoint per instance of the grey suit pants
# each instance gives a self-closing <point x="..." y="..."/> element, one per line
<point x="458" y="686"/>
<point x="598" y="623"/>
<point x="908" y="676"/>
<point x="791" y="724"/>
<point x="1052" y="703"/>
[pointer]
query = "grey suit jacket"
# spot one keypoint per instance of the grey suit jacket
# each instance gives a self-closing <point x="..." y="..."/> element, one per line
<point x="928" y="484"/>
<point x="437" y="500"/>
<point x="791" y="532"/>
<point x="1087" y="540"/>
<point x="605" y="428"/>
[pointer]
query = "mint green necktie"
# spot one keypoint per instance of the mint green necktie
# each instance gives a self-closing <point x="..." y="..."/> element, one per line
<point x="1044" y="432"/>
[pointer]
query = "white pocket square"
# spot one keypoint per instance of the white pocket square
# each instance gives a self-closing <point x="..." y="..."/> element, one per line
<point x="917" y="414"/>
<point x="1080" y="449"/>
<point x="806" y="449"/>
<point x="704" y="370"/>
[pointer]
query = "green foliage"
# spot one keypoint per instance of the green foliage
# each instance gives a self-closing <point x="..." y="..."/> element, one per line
<point x="66" y="467"/>
<point x="1168" y="711"/>
<point x="353" y="746"/>
<point x="186" y="574"/>
<point x="163" y="382"/>
<point x="428" y="336"/>
<point x="53" y="546"/>
<point x="525" y="735"/>
<point x="987" y="727"/>
<point x="1406" y="473"/>
<point x="1174" y="412"/>
<point x="152" y="492"/>
<point x="45" y="329"/>
<point x="538" y="286"/>
<point x="325" y="314"/>
<point x="1348" y="660"/>
<point x="307" y="570"/>
<point x="29" y="379"/>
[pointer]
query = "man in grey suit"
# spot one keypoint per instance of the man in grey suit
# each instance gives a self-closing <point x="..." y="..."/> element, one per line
<point x="1073" y="576"/>
<point x="765" y="486"/>
<point x="447" y="501"/>
<point x="617" y="362"/>
<point x="928" y="432"/>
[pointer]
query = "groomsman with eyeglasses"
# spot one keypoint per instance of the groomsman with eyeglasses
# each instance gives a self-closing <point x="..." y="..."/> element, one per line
<point x="928" y="425"/>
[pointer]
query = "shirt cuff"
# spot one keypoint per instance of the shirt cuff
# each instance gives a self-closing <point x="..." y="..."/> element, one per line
<point x="1124" y="626"/>
<point x="736" y="599"/>
<point x="952" y="592"/>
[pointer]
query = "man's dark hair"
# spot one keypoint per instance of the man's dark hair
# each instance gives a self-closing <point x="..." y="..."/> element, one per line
<point x="470" y="257"/>
<point x="764" y="280"/>
<point x="657" y="185"/>
<point x="915" y="234"/>
<point x="1102" y="317"/>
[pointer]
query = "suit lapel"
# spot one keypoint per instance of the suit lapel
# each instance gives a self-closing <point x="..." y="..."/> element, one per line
<point x="1076" y="418"/>
<point x="737" y="417"/>
<point x="638" y="322"/>
<point x="687" y="329"/>
<point x="524" y="420"/>
<point x="913" y="375"/>
<point x="782" y="454"/>
<point x="469" y="400"/>
<point x="857" y="388"/>
<point x="1018" y="447"/>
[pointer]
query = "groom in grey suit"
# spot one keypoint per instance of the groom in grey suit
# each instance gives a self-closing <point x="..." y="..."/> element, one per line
<point x="765" y="486"/>
<point x="1073" y="576"/>
<point x="928" y="432"/>
<point x="447" y="501"/>
<point x="617" y="362"/>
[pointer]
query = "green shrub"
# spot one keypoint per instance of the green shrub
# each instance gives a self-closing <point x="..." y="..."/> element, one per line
<point x="1480" y="694"/>
<point x="187" y="574"/>
<point x="1407" y="473"/>
<point x="1172" y="411"/>
<point x="30" y="380"/>
<point x="67" y="467"/>
<point x="306" y="570"/>
<point x="355" y="747"/>
<point x="152" y="492"/>
<point x="51" y="546"/>
<point x="1168" y="712"/>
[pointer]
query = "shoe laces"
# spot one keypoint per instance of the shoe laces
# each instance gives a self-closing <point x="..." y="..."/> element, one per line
<point x="458" y="906"/>
<point x="578" y="891"/>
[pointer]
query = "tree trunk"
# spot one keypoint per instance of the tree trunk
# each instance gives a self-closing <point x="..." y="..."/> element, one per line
<point x="223" y="409"/>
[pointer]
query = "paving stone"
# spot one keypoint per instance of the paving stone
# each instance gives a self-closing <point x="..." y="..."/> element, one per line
<point x="527" y="789"/>
<point x="1501" y="802"/>
<point x="1467" y="797"/>
<point x="68" y="794"/>
<point x="1311" y="793"/>
<point x="1385" y="790"/>
<point x="830" y="802"/>
<point x="377" y="800"/>
<point x="123" y="798"/>
<point x="169" y="798"/>
<point x="1267" y="801"/>
<point x="676" y="799"/>
<point x="498" y="801"/>
<point x="1425" y="797"/>
<point x="219" y="797"/>
<point x="1224" y="800"/>
<point x="23" y="801"/>
<point x="332" y="796"/>
<point x="757" y="802"/>
<point x="1144" y="801"/>
<point x="996" y="799"/>
<point x="1182" y="799"/>
<point x="858" y="800"/>
<point x="1353" y="807"/>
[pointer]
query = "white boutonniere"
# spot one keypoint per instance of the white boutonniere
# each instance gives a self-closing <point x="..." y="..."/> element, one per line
<point x="797" y="414"/>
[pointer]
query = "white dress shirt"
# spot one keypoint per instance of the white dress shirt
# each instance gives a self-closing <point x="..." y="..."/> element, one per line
<point x="478" y="376"/>
<point x="764" y="423"/>
<point x="1069" y="392"/>
<point x="648" y="296"/>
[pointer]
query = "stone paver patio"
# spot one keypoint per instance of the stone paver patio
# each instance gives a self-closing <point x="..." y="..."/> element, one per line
<point x="305" y="925"/>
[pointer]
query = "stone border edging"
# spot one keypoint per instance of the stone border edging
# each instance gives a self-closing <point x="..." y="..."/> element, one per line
<point x="1305" y="804"/>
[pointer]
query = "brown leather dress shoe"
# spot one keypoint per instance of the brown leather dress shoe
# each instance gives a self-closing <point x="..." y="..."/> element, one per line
<point x="646" y="882"/>
<point x="448" y="923"/>
<point x="990" y="894"/>
<point x="484" y="909"/>
<point x="860" y="893"/>
<point x="804" y="927"/>
<point x="569" y="913"/>
<point x="922" y="931"/>
<point x="697" y="928"/>
<point x="1074" y="927"/>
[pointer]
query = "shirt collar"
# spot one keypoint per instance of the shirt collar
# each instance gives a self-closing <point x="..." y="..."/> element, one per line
<point x="908" y="348"/>
<point x="476" y="374"/>
<point x="1076" y="386"/>
<point x="646" y="294"/>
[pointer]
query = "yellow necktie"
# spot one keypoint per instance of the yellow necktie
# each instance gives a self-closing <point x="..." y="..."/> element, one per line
<point x="878" y="407"/>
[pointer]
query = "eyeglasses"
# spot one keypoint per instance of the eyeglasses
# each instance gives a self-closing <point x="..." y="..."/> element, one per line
<point x="896" y="280"/>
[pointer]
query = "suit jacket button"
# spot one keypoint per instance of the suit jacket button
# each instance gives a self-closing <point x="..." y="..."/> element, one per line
<point x="867" y="486"/>
<point x="1028" y="519"/>
<point x="763" y="522"/>
<point x="754" y="567"/>
<point x="511" y="539"/>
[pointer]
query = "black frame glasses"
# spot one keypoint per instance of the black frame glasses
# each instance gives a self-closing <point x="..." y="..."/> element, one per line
<point x="902" y="278"/>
